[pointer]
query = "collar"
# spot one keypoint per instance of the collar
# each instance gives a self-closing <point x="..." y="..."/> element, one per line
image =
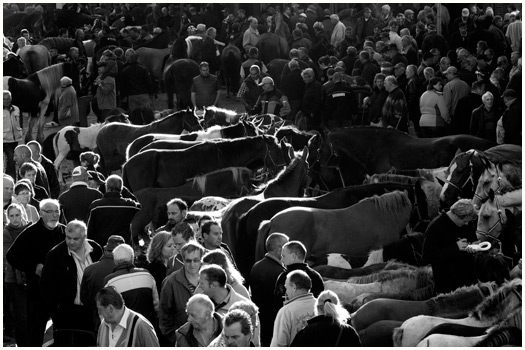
<point x="299" y="297"/>
<point x="87" y="249"/>
<point x="124" y="320"/>
<point x="271" y="257"/>
<point x="78" y="183"/>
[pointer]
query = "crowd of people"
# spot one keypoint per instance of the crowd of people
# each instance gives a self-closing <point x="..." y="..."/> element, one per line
<point x="71" y="257"/>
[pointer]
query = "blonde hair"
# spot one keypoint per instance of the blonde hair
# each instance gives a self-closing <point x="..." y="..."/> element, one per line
<point x="329" y="303"/>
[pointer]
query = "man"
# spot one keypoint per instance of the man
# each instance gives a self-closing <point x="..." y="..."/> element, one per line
<point x="514" y="60"/>
<point x="513" y="33"/>
<point x="292" y="86"/>
<point x="9" y="186"/>
<point x="445" y="247"/>
<point x="177" y="289"/>
<point x="203" y="324"/>
<point x="76" y="201"/>
<point x="321" y="41"/>
<point x="434" y="40"/>
<point x="12" y="132"/>
<point x="250" y="89"/>
<point x="253" y="59"/>
<point x="22" y="155"/>
<point x="461" y="124"/>
<point x="271" y="101"/>
<point x="338" y="33"/>
<point x="212" y="282"/>
<point x="292" y="256"/>
<point x="396" y="56"/>
<point x="369" y="69"/>
<point x="136" y="285"/>
<point x="136" y="84"/>
<point x="510" y="125"/>
<point x="28" y="254"/>
<point x="263" y="277"/>
<point x="461" y="38"/>
<point x="399" y="73"/>
<point x="121" y="326"/>
<point x="210" y="50"/>
<point x="28" y="171"/>
<point x="339" y="103"/>
<point x="365" y="26"/>
<point x="311" y="102"/>
<point x="237" y="329"/>
<point x="299" y="307"/>
<point x="177" y="210"/>
<point x="62" y="274"/>
<point x="454" y="90"/>
<point x="394" y="112"/>
<point x="93" y="277"/>
<point x="205" y="88"/>
<point x="385" y="17"/>
<point x="181" y="234"/>
<point x="51" y="172"/>
<point x="212" y="239"/>
<point x="251" y="35"/>
<point x="393" y="36"/>
<point x="112" y="214"/>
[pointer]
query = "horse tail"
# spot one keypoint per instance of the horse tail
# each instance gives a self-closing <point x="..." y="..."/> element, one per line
<point x="200" y="181"/>
<point x="505" y="336"/>
<point x="260" y="246"/>
<point x="375" y="257"/>
<point x="397" y="336"/>
<point x="31" y="61"/>
<point x="55" y="143"/>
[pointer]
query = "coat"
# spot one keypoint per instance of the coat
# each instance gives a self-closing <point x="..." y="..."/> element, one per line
<point x="68" y="106"/>
<point x="11" y="124"/>
<point x="325" y="325"/>
<point x="185" y="337"/>
<point x="76" y="201"/>
<point x="143" y="334"/>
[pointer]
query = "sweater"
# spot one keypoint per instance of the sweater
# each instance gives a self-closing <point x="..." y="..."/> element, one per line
<point x="143" y="334"/>
<point x="292" y="317"/>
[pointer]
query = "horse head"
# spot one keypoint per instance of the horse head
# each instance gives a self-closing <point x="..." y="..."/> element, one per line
<point x="460" y="182"/>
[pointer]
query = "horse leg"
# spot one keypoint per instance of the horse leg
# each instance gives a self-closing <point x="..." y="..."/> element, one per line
<point x="42" y="119"/>
<point x="29" y="133"/>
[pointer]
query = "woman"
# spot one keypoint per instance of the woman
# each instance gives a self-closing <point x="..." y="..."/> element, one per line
<point x="234" y="277"/>
<point x="14" y="280"/>
<point x="330" y="327"/>
<point x="160" y="249"/>
<point x="376" y="101"/>
<point x="484" y="118"/>
<point x="434" y="110"/>
<point x="89" y="160"/>
<point x="23" y="195"/>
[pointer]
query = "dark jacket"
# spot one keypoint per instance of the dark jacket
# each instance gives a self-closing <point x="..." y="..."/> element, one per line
<point x="461" y="121"/>
<point x="317" y="280"/>
<point x="364" y="28"/>
<point x="322" y="331"/>
<point x="158" y="271"/>
<point x="483" y="123"/>
<point x="75" y="202"/>
<point x="135" y="81"/>
<point x="185" y="337"/>
<point x="320" y="46"/>
<point x="340" y="103"/>
<point x="512" y="123"/>
<point x="369" y="71"/>
<point x="377" y="100"/>
<point x="52" y="178"/>
<point x="253" y="90"/>
<point x="451" y="268"/>
<point x="111" y="215"/>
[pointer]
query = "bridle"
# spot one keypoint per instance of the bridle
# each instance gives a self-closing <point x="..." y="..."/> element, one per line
<point x="186" y="123"/>
<point x="333" y="155"/>
<point x="496" y="191"/>
<point x="488" y="234"/>
<point x="469" y="179"/>
<point x="268" y="155"/>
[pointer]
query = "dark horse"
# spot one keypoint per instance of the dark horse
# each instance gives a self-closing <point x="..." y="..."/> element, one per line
<point x="272" y="46"/>
<point x="35" y="57"/>
<point x="377" y="150"/>
<point x="14" y="67"/>
<point x="178" y="78"/>
<point x="171" y="168"/>
<point x="62" y="45"/>
<point x="231" y="65"/>
<point x="34" y="93"/>
<point x="466" y="168"/>
<point x="113" y="139"/>
<point x="290" y="182"/>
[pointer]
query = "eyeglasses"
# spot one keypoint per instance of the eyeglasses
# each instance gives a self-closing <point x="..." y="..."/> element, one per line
<point x="51" y="211"/>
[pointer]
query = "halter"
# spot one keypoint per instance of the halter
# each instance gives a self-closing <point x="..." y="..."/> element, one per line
<point x="488" y="234"/>
<point x="515" y="291"/>
<point x="335" y="155"/>
<point x="269" y="155"/>
<point x="470" y="178"/>
<point x="496" y="191"/>
<point x="186" y="123"/>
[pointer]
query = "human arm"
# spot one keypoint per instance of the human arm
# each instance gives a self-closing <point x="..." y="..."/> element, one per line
<point x="167" y="311"/>
<point x="193" y="100"/>
<point x="443" y="110"/>
<point x="500" y="132"/>
<point x="281" y="329"/>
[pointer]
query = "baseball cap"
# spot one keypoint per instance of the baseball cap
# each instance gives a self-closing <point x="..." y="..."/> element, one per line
<point x="98" y="177"/>
<point x="79" y="171"/>
<point x="452" y="70"/>
<point x="266" y="80"/>
<point x="113" y="242"/>
<point x="465" y="12"/>
<point x="303" y="15"/>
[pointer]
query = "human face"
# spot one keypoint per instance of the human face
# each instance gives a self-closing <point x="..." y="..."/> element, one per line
<point x="175" y="215"/>
<point x="368" y="14"/>
<point x="287" y="258"/>
<point x="107" y="313"/>
<point x="31" y="176"/>
<point x="290" y="289"/>
<point x="380" y="83"/>
<point x="50" y="215"/>
<point x="7" y="100"/>
<point x="15" y="217"/>
<point x="168" y="250"/>
<point x="75" y="239"/>
<point x="254" y="74"/>
<point x="192" y="262"/>
<point x="254" y="24"/>
<point x="438" y="86"/>
<point x="213" y="239"/>
<point x="8" y="189"/>
<point x="23" y="197"/>
<point x="488" y="101"/>
<point x="178" y="242"/>
<point x="389" y="86"/>
<point x="17" y="157"/>
<point x="204" y="286"/>
<point x="198" y="316"/>
<point x="234" y="337"/>
<point x="307" y="78"/>
<point x="205" y="71"/>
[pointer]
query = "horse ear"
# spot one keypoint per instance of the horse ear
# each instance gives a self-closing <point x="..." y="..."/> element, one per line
<point x="392" y="170"/>
<point x="367" y="179"/>
<point x="441" y="182"/>
<point x="305" y="152"/>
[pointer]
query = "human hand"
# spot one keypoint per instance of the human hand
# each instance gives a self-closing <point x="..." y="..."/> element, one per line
<point x="38" y="269"/>
<point x="462" y="244"/>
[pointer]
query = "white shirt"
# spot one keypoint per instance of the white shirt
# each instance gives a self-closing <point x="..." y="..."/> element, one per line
<point x="81" y="266"/>
<point x="115" y="334"/>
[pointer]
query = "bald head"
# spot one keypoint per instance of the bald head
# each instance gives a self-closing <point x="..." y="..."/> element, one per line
<point x="22" y="154"/>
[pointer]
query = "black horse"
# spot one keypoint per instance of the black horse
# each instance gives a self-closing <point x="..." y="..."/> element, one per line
<point x="231" y="66"/>
<point x="178" y="78"/>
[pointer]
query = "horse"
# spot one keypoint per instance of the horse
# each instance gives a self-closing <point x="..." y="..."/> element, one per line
<point x="332" y="259"/>
<point x="62" y="45"/>
<point x="70" y="19"/>
<point x="14" y="67"/>
<point x="272" y="46"/>
<point x="178" y="78"/>
<point x="419" y="294"/>
<point x="231" y="65"/>
<point x="492" y="310"/>
<point x="159" y="41"/>
<point x="498" y="177"/>
<point x="219" y="116"/>
<point x="166" y="141"/>
<point x="435" y="175"/>
<point x="113" y="139"/>
<point x="154" y="60"/>
<point x="353" y="231"/>
<point x="34" y="93"/>
<point x="298" y="139"/>
<point x="212" y="203"/>
<point x="394" y="281"/>
<point x="408" y="249"/>
<point x="79" y="139"/>
<point x="275" y="68"/>
<point x="497" y="335"/>
<point x="289" y="182"/>
<point x="249" y="222"/>
<point x="377" y="150"/>
<point x="230" y="182"/>
<point x="170" y="168"/>
<point x="35" y="58"/>
<point x="466" y="168"/>
<point x="455" y="304"/>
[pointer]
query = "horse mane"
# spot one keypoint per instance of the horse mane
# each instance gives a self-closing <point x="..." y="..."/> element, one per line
<point x="494" y="305"/>
<point x="404" y="179"/>
<point x="422" y="275"/>
<point x="449" y="303"/>
<point x="218" y="112"/>
<point x="282" y="175"/>
<point x="49" y="77"/>
<point x="390" y="202"/>
<point x="505" y="336"/>
<point x="512" y="174"/>
<point x="512" y="320"/>
<point x="237" y="172"/>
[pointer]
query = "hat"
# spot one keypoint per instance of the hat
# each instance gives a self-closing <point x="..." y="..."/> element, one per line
<point x="98" y="177"/>
<point x="79" y="171"/>
<point x="303" y="15"/>
<point x="113" y="242"/>
<point x="65" y="82"/>
<point x="266" y="80"/>
<point x="400" y="64"/>
<point x="452" y="70"/>
<point x="510" y="93"/>
<point x="465" y="12"/>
